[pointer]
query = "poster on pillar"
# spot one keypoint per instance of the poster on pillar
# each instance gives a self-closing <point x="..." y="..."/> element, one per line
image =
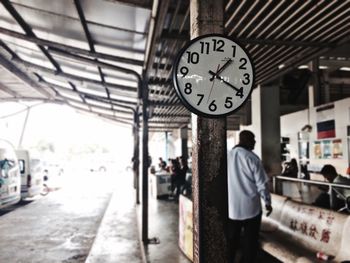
<point x="213" y="76"/>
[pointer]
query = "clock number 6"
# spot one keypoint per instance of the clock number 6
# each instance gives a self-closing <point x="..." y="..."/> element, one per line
<point x="188" y="88"/>
<point x="212" y="106"/>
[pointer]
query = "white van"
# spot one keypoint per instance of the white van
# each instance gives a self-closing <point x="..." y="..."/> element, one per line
<point x="10" y="178"/>
<point x="31" y="174"/>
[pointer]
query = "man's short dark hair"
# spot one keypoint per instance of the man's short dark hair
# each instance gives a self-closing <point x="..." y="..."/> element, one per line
<point x="328" y="169"/>
<point x="243" y="135"/>
<point x="329" y="172"/>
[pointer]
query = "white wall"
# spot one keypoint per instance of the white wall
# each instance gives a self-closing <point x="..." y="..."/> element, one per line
<point x="292" y="123"/>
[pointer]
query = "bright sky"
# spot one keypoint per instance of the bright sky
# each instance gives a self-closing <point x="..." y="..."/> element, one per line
<point x="64" y="127"/>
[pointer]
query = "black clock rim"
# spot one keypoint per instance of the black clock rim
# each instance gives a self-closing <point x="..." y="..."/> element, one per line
<point x="177" y="89"/>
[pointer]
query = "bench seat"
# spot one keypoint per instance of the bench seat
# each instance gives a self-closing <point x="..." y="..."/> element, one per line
<point x="295" y="232"/>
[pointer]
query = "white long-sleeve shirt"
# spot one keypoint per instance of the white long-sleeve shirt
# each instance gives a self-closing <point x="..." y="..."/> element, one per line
<point x="247" y="183"/>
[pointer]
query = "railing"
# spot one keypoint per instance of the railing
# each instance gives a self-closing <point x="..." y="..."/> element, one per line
<point x="333" y="188"/>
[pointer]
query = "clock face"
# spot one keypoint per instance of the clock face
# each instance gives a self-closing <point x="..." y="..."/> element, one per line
<point x="213" y="76"/>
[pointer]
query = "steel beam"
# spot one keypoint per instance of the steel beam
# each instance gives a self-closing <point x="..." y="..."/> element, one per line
<point x="5" y="89"/>
<point x="66" y="76"/>
<point x="7" y="4"/>
<point x="159" y="11"/>
<point x="67" y="48"/>
<point x="145" y="162"/>
<point x="23" y="77"/>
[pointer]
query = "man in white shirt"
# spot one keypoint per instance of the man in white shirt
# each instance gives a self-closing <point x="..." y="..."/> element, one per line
<point x="247" y="184"/>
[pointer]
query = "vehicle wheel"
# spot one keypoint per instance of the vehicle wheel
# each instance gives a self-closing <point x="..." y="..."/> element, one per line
<point x="45" y="190"/>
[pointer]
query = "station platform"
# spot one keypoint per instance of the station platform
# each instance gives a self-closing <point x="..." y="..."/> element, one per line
<point x="118" y="238"/>
<point x="100" y="223"/>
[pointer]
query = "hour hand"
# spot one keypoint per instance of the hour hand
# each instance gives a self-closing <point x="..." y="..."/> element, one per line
<point x="218" y="72"/>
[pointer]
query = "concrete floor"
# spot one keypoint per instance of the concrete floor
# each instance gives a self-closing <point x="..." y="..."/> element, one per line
<point x="117" y="239"/>
<point x="163" y="224"/>
<point x="59" y="227"/>
<point x="90" y="220"/>
<point x="94" y="221"/>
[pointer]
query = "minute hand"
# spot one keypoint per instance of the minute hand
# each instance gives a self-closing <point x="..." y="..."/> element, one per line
<point x="222" y="79"/>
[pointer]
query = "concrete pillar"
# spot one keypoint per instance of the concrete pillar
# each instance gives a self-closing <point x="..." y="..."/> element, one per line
<point x="209" y="167"/>
<point x="326" y="88"/>
<point x="316" y="82"/>
<point x="311" y="96"/>
<point x="266" y="126"/>
<point x="166" y="146"/>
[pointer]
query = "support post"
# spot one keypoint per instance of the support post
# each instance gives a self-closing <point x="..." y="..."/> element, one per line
<point x="145" y="161"/>
<point x="266" y="126"/>
<point x="326" y="88"/>
<point x="24" y="128"/>
<point x="316" y="82"/>
<point x="136" y="156"/>
<point x="166" y="134"/>
<point x="209" y="167"/>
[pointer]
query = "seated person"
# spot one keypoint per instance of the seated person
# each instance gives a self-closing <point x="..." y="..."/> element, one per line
<point x="291" y="169"/>
<point x="323" y="200"/>
<point x="162" y="164"/>
<point x="304" y="172"/>
<point x="345" y="180"/>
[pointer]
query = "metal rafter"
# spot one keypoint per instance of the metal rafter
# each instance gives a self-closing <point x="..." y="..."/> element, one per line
<point x="91" y="44"/>
<point x="63" y="47"/>
<point x="66" y="76"/>
<point x="280" y="35"/>
<point x="23" y="76"/>
<point x="9" y="91"/>
<point x="29" y="32"/>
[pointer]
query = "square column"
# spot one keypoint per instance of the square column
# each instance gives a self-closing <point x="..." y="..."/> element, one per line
<point x="266" y="126"/>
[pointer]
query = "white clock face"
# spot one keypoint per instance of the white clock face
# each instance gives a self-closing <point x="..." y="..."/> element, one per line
<point x="213" y="76"/>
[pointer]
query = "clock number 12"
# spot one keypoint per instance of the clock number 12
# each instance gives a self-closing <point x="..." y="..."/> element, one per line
<point x="217" y="46"/>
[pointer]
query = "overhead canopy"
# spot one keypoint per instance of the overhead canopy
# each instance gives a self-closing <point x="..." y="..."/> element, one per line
<point x="91" y="54"/>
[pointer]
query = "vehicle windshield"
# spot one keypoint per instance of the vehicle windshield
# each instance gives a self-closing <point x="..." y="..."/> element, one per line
<point x="5" y="166"/>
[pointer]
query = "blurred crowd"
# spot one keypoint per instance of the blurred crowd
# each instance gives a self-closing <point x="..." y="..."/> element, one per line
<point x="177" y="167"/>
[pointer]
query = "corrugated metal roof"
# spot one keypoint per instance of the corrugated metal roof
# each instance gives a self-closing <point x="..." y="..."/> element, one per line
<point x="90" y="53"/>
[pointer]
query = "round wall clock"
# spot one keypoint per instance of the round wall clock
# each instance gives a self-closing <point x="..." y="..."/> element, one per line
<point x="213" y="75"/>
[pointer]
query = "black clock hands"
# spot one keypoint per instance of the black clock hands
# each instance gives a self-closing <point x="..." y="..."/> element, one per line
<point x="228" y="62"/>
<point x="212" y="85"/>
<point x="239" y="91"/>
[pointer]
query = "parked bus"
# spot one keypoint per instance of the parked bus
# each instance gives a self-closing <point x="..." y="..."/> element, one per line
<point x="31" y="174"/>
<point x="10" y="178"/>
